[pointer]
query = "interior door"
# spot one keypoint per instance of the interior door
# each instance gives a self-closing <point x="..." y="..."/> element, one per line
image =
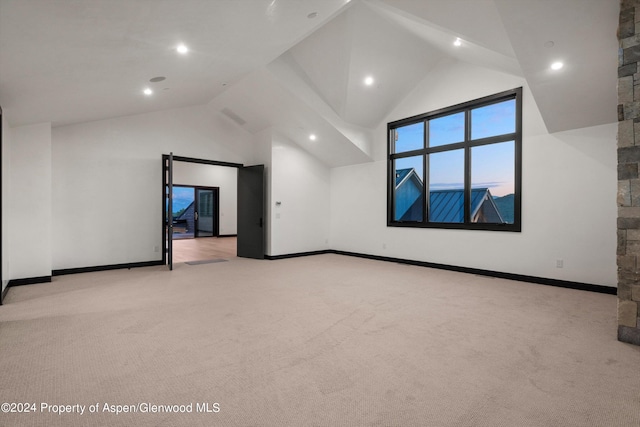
<point x="204" y="215"/>
<point x="251" y="230"/>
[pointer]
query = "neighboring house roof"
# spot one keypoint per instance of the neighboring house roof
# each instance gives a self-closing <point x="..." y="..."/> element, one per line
<point x="415" y="210"/>
<point x="403" y="175"/>
<point x="410" y="209"/>
<point x="447" y="206"/>
<point x="506" y="206"/>
<point x="188" y="212"/>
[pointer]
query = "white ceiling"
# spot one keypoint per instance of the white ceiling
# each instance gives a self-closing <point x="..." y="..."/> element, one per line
<point x="265" y="64"/>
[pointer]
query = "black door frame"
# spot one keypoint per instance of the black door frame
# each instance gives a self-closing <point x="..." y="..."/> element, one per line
<point x="165" y="184"/>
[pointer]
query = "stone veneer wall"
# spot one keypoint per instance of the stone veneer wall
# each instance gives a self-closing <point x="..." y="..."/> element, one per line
<point x="628" y="172"/>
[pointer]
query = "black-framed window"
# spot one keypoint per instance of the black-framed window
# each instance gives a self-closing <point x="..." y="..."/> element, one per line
<point x="458" y="167"/>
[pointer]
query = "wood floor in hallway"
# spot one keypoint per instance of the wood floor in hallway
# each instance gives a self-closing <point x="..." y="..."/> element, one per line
<point x="204" y="248"/>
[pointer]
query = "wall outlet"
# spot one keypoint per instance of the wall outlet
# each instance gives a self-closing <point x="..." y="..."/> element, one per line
<point x="559" y="263"/>
<point x="384" y="246"/>
<point x="156" y="249"/>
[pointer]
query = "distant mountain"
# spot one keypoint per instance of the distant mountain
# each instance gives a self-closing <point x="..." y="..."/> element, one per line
<point x="505" y="206"/>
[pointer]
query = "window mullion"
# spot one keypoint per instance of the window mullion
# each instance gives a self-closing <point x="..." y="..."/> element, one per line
<point x="493" y="139"/>
<point x="467" y="167"/>
<point x="391" y="193"/>
<point x="425" y="162"/>
<point x="448" y="147"/>
<point x="407" y="154"/>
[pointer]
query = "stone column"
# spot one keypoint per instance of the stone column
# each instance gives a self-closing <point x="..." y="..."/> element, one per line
<point x="628" y="172"/>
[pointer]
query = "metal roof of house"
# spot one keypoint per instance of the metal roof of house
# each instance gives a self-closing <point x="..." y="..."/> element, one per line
<point x="448" y="205"/>
<point x="444" y="205"/>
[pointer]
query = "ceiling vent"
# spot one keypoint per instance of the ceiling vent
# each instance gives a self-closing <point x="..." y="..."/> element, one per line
<point x="233" y="116"/>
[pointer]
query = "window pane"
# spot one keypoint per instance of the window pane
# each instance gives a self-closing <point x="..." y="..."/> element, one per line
<point x="446" y="130"/>
<point x="446" y="186"/>
<point x="492" y="120"/>
<point x="409" y="182"/>
<point x="493" y="183"/>
<point x="409" y="138"/>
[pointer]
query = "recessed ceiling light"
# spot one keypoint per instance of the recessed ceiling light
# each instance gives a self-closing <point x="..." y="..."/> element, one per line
<point x="550" y="43"/>
<point x="368" y="80"/>
<point x="147" y="91"/>
<point x="157" y="79"/>
<point x="557" y="65"/>
<point x="312" y="137"/>
<point x="457" y="42"/>
<point x="181" y="48"/>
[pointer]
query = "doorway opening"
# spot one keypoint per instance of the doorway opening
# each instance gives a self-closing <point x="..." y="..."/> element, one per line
<point x="196" y="212"/>
<point x="235" y="190"/>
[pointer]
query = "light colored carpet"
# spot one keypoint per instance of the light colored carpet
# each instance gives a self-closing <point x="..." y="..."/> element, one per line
<point x="326" y="340"/>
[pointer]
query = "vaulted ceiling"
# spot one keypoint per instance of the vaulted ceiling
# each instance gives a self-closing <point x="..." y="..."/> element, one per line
<point x="295" y="65"/>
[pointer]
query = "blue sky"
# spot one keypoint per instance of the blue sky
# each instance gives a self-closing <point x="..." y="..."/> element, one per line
<point x="182" y="197"/>
<point x="492" y="165"/>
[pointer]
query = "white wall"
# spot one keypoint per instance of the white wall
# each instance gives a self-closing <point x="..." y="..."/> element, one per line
<point x="568" y="196"/>
<point x="302" y="184"/>
<point x="105" y="205"/>
<point x="263" y="142"/>
<point x="107" y="180"/>
<point x="6" y="199"/>
<point x="29" y="204"/>
<point x="223" y="177"/>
